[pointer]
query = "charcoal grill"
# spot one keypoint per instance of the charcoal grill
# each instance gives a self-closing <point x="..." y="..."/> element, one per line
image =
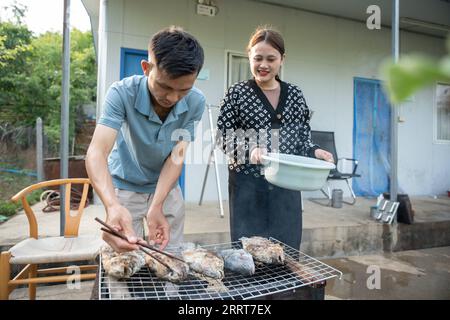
<point x="300" y="270"/>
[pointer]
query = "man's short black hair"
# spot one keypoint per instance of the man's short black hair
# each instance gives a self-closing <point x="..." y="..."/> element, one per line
<point x="176" y="52"/>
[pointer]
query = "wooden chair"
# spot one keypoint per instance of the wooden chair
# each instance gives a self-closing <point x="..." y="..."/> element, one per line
<point x="50" y="250"/>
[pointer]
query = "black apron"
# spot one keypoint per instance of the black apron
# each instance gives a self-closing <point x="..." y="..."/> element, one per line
<point x="258" y="208"/>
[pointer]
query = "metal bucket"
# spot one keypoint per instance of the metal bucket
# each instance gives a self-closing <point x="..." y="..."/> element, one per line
<point x="373" y="212"/>
<point x="336" y="198"/>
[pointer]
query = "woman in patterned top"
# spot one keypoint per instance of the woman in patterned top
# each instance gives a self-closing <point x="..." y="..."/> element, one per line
<point x="257" y="116"/>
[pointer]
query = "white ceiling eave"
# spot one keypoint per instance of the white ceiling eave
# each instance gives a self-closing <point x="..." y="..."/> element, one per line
<point x="93" y="9"/>
<point x="435" y="14"/>
<point x="430" y="12"/>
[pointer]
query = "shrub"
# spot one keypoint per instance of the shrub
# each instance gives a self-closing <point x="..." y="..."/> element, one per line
<point x="8" y="208"/>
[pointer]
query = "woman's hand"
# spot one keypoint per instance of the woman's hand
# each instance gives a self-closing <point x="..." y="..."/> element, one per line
<point x="324" y="155"/>
<point x="255" y="156"/>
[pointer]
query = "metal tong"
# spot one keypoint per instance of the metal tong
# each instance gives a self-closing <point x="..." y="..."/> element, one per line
<point x="142" y="246"/>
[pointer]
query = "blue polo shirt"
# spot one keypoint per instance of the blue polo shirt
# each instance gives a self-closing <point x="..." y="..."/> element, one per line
<point x="144" y="142"/>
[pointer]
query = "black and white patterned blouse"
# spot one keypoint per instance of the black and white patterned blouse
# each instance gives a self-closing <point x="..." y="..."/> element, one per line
<point x="248" y="120"/>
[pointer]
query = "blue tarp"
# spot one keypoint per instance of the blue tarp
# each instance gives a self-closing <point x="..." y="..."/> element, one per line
<point x="371" y="135"/>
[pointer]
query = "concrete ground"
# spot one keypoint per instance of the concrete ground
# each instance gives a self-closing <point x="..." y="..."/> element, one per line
<point x="327" y="231"/>
<point x="346" y="238"/>
<point x="56" y="292"/>
<point x="413" y="274"/>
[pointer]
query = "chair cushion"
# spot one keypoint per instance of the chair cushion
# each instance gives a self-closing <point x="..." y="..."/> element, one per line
<point x="56" y="249"/>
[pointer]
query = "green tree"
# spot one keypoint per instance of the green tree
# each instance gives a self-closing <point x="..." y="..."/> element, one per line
<point x="15" y="52"/>
<point x="47" y="73"/>
<point x="30" y="76"/>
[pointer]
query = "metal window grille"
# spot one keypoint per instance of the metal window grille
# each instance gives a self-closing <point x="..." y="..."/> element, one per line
<point x="443" y="112"/>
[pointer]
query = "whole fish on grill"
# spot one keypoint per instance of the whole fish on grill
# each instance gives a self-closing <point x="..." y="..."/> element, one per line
<point x="263" y="250"/>
<point x="178" y="270"/>
<point x="204" y="262"/>
<point x="121" y="265"/>
<point x="239" y="261"/>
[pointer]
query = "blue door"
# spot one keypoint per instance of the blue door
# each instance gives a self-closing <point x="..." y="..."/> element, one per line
<point x="130" y="64"/>
<point x="130" y="61"/>
<point x="371" y="137"/>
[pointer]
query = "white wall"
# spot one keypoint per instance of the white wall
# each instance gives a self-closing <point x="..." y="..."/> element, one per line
<point x="323" y="56"/>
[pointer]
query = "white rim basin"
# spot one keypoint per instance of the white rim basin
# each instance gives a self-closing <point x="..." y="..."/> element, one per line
<point x="293" y="160"/>
<point x="296" y="172"/>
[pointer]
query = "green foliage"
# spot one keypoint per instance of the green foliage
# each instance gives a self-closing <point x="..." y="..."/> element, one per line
<point x="414" y="72"/>
<point x="52" y="132"/>
<point x="15" y="52"/>
<point x="7" y="208"/>
<point x="34" y="197"/>
<point x="47" y="74"/>
<point x="31" y="76"/>
<point x="11" y="184"/>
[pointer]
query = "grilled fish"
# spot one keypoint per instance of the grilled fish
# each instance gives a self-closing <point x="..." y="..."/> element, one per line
<point x="239" y="261"/>
<point x="204" y="262"/>
<point x="178" y="270"/>
<point x="121" y="265"/>
<point x="263" y="250"/>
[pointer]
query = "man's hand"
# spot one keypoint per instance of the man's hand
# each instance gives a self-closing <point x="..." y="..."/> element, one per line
<point x="324" y="155"/>
<point x="158" y="227"/>
<point x="255" y="156"/>
<point x="119" y="218"/>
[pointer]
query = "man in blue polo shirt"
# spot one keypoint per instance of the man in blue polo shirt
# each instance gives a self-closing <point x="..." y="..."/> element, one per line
<point x="136" y="154"/>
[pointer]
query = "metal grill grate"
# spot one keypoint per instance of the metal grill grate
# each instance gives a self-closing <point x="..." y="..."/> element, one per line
<point x="299" y="270"/>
